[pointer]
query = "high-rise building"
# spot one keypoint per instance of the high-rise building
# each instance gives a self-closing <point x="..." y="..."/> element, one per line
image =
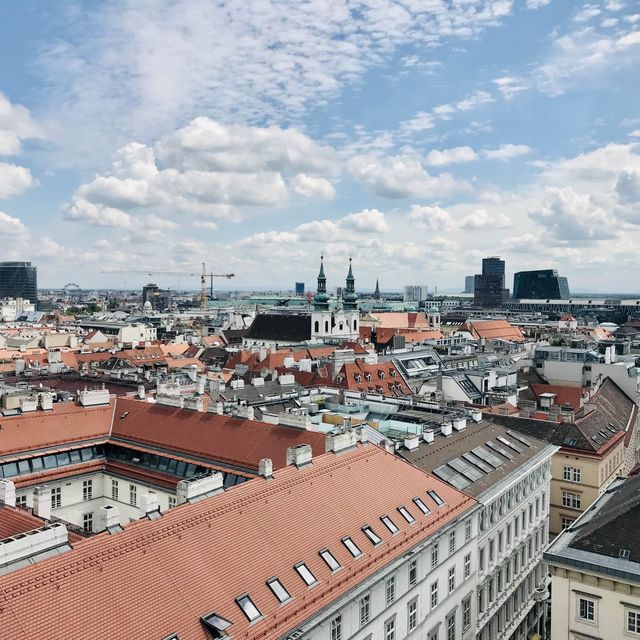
<point x="19" y="280"/>
<point x="300" y="289"/>
<point x="541" y="284"/>
<point x="415" y="292"/>
<point x="469" y="282"/>
<point x="489" y="288"/>
<point x="159" y="299"/>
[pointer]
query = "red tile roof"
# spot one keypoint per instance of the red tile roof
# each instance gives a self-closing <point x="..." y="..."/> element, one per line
<point x="230" y="441"/>
<point x="570" y="396"/>
<point x="65" y="423"/>
<point x="159" y="577"/>
<point x="494" y="330"/>
<point x="14" y="521"/>
<point x="384" y="335"/>
<point x="384" y="379"/>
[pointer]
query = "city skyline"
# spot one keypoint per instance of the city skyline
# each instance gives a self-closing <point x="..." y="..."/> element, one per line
<point x="420" y="141"/>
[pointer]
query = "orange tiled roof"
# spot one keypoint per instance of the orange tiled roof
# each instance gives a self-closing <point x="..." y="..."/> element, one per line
<point x="494" y="330"/>
<point x="571" y="396"/>
<point x="14" y="521"/>
<point x="228" y="440"/>
<point x="382" y="379"/>
<point x="159" y="577"/>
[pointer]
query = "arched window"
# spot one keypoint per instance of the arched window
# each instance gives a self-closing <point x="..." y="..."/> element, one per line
<point x="316" y="327"/>
<point x="341" y="327"/>
<point x="326" y="326"/>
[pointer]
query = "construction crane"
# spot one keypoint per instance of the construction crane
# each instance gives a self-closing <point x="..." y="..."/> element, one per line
<point x="203" y="275"/>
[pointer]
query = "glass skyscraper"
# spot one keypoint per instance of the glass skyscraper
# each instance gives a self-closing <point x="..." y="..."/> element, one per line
<point x="19" y="280"/>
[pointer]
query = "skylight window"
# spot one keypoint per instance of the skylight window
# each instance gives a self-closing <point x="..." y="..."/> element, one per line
<point x="248" y="608"/>
<point x="372" y="535"/>
<point x="354" y="549"/>
<point x="435" y="497"/>
<point x="278" y="589"/>
<point x="305" y="573"/>
<point x="388" y="522"/>
<point x="422" y="506"/>
<point x="406" y="515"/>
<point x="332" y="563"/>
<point x="215" y="624"/>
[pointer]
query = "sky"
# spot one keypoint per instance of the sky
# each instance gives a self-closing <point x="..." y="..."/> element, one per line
<point x="417" y="136"/>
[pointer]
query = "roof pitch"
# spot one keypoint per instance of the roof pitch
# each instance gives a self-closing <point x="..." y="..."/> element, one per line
<point x="159" y="576"/>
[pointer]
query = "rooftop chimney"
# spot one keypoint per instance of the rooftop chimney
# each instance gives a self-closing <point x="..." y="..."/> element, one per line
<point x="460" y="424"/>
<point x="446" y="429"/>
<point x="107" y="517"/>
<point x="141" y="392"/>
<point x="198" y="488"/>
<point x="428" y="435"/>
<point x="265" y="468"/>
<point x="300" y="455"/>
<point x="42" y="502"/>
<point x="46" y="400"/>
<point x="412" y="443"/>
<point x="7" y="492"/>
<point x="341" y="441"/>
<point x="149" y="503"/>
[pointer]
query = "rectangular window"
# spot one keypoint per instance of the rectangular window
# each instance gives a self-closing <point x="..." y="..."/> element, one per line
<point x="500" y="541"/>
<point x="413" y="572"/>
<point x="633" y="621"/>
<point x="492" y="550"/>
<point x="372" y="535"/>
<point x="305" y="574"/>
<point x="508" y="534"/>
<point x="467" y="566"/>
<point x="390" y="629"/>
<point x="172" y="502"/>
<point x="412" y="615"/>
<point x="481" y="559"/>
<point x="388" y="522"/>
<point x="365" y="609"/>
<point x="115" y="489"/>
<point x="406" y="515"/>
<point x="87" y="522"/>
<point x="422" y="506"/>
<point x="434" y="556"/>
<point x="336" y="628"/>
<point x="571" y="500"/>
<point x="467" y="530"/>
<point x="56" y="497"/>
<point x="353" y="548"/>
<point x="466" y="613"/>
<point x="87" y="489"/>
<point x="435" y="497"/>
<point x="586" y="609"/>
<point x="451" y="627"/>
<point x="566" y="522"/>
<point x="21" y="501"/>
<point x="452" y="542"/>
<point x="452" y="579"/>
<point x="572" y="474"/>
<point x="329" y="558"/>
<point x="434" y="594"/>
<point x="278" y="589"/>
<point x="248" y="608"/>
<point x="133" y="494"/>
<point x="390" y="590"/>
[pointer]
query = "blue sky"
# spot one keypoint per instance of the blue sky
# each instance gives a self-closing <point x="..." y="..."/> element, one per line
<point x="416" y="135"/>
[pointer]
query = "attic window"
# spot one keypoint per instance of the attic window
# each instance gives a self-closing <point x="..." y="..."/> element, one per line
<point x="388" y="522"/>
<point x="328" y="557"/>
<point x="422" y="506"/>
<point x="392" y="373"/>
<point x="381" y="374"/>
<point x="305" y="573"/>
<point x="406" y="515"/>
<point x="248" y="608"/>
<point x="435" y="497"/>
<point x="372" y="535"/>
<point x="624" y="554"/>
<point x="216" y="625"/>
<point x="278" y="589"/>
<point x="354" y="549"/>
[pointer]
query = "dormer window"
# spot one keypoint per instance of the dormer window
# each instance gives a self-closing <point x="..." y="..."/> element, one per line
<point x="353" y="548"/>
<point x="248" y="608"/>
<point x="358" y="378"/>
<point x="381" y="374"/>
<point x="393" y="373"/>
<point x="368" y="377"/>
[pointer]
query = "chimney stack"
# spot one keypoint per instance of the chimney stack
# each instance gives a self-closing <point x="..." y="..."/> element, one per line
<point x="149" y="503"/>
<point x="265" y="469"/>
<point x="42" y="502"/>
<point x="190" y="490"/>
<point x="141" y="392"/>
<point x="300" y="455"/>
<point x="7" y="492"/>
<point x="107" y="517"/>
<point x="338" y="442"/>
<point x="428" y="436"/>
<point x="446" y="429"/>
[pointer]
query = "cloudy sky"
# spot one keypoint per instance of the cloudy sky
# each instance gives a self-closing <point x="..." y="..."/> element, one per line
<point x="417" y="135"/>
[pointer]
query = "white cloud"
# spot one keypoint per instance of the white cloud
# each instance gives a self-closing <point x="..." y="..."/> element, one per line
<point x="16" y="125"/>
<point x="366" y="221"/>
<point x="588" y="12"/>
<point x="14" y="179"/>
<point x="482" y="219"/>
<point x="10" y="226"/>
<point x="157" y="223"/>
<point x="628" y="186"/>
<point x="506" y="151"/>
<point x="431" y="218"/>
<point x="311" y="187"/>
<point x="212" y="226"/>
<point x="536" y="4"/>
<point x="510" y="85"/>
<point x="403" y="177"/>
<point x="437" y="158"/>
<point x="97" y="215"/>
<point x="635" y="133"/>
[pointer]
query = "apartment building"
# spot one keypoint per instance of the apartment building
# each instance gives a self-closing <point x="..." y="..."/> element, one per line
<point x="510" y="476"/>
<point x="263" y="560"/>
<point x="595" y="569"/>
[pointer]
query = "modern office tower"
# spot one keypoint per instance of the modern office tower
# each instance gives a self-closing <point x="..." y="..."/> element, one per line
<point x="489" y="288"/>
<point x="19" y="280"/>
<point x="300" y="288"/>
<point x="415" y="292"/>
<point x="159" y="299"/>
<point x="541" y="284"/>
<point x="469" y="284"/>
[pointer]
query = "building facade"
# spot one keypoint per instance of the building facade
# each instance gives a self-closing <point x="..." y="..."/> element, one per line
<point x="489" y="289"/>
<point x="541" y="284"/>
<point x="415" y="292"/>
<point x="19" y="280"/>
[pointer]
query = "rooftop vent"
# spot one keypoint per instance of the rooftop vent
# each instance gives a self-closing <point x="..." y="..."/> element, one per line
<point x="412" y="443"/>
<point x="265" y="468"/>
<point x="428" y="436"/>
<point x="107" y="517"/>
<point x="446" y="429"/>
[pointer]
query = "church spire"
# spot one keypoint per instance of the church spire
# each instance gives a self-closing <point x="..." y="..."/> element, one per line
<point x="321" y="299"/>
<point x="376" y="293"/>
<point x="350" y="298"/>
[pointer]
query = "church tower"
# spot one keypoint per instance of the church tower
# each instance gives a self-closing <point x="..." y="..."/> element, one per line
<point x="349" y="297"/>
<point x="321" y="299"/>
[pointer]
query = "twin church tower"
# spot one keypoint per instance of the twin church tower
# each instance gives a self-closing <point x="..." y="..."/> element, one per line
<point x="341" y="323"/>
